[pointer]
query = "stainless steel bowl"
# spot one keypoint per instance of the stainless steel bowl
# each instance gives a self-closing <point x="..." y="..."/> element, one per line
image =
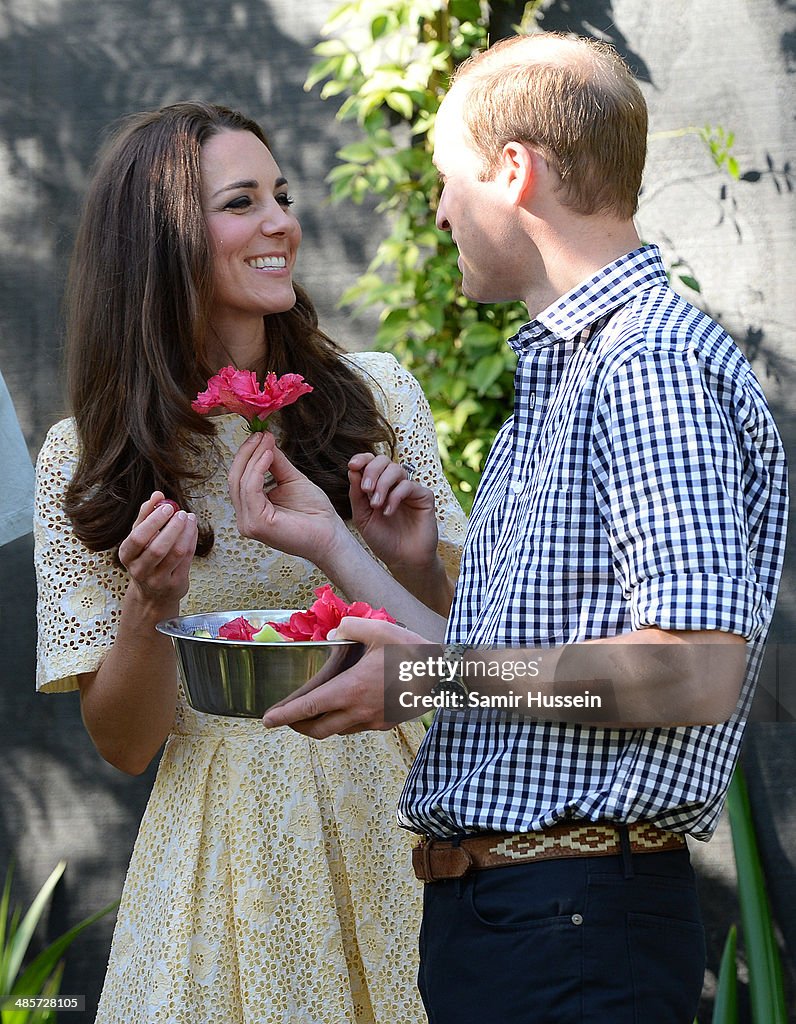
<point x="243" y="678"/>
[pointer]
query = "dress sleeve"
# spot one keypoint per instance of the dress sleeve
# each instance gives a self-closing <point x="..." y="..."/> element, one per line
<point x="403" y="403"/>
<point x="79" y="591"/>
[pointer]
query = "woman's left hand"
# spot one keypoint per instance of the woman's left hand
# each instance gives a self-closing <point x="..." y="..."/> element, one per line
<point x="395" y="515"/>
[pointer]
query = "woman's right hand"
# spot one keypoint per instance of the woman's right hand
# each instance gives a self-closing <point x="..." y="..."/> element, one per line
<point x="158" y="551"/>
<point x="294" y="516"/>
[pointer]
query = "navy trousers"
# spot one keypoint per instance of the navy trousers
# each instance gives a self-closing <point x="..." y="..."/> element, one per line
<point x="589" y="940"/>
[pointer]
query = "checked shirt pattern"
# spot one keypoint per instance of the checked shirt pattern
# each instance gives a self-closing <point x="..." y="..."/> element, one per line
<point x="641" y="481"/>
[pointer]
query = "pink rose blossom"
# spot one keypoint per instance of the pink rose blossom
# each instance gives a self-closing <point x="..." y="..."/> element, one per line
<point x="239" y="391"/>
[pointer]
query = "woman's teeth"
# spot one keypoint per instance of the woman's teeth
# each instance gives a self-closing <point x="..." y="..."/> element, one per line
<point x="264" y="262"/>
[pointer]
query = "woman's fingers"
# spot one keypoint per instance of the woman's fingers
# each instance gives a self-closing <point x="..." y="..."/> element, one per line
<point x="382" y="482"/>
<point x="160" y="544"/>
<point x="251" y="454"/>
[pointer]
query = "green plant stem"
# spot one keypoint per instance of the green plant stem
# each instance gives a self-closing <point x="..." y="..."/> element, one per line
<point x="766" y="991"/>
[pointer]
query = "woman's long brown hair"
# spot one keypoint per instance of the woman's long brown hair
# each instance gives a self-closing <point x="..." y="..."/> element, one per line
<point x="137" y="302"/>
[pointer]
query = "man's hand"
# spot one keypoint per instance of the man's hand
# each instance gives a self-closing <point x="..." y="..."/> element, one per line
<point x="352" y="701"/>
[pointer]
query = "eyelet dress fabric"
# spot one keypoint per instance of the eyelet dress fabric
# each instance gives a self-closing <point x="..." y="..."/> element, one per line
<point x="269" y="883"/>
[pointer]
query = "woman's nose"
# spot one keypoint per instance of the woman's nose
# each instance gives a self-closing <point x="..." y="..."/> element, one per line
<point x="276" y="220"/>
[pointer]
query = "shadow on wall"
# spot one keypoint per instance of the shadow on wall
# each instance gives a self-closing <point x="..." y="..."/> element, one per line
<point x="70" y="68"/>
<point x="60" y="800"/>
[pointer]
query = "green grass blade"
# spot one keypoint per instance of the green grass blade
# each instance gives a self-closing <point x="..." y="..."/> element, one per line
<point x="42" y="966"/>
<point x="51" y="987"/>
<point x="6" y="978"/>
<point x="5" y="902"/>
<point x="766" y="992"/>
<point x="725" y="1006"/>
<point x="18" y="944"/>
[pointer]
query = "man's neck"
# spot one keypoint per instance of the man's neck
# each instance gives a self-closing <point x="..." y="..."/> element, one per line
<point x="575" y="254"/>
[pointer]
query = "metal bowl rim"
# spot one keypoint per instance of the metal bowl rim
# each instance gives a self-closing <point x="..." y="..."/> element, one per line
<point x="168" y="628"/>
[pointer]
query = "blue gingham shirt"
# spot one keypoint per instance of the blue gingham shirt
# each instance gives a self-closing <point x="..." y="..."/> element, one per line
<point x="641" y="481"/>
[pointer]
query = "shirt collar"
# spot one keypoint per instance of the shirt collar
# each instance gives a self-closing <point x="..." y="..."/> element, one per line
<point x="592" y="300"/>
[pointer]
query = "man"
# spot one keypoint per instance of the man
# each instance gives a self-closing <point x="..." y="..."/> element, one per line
<point x="630" y="520"/>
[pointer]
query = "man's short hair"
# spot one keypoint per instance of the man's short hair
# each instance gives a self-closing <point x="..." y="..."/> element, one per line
<point x="574" y="100"/>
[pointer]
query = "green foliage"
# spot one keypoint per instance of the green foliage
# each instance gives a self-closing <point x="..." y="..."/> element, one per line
<point x="42" y="976"/>
<point x="720" y="142"/>
<point x="393" y="63"/>
<point x="725" y="1005"/>
<point x="766" y="990"/>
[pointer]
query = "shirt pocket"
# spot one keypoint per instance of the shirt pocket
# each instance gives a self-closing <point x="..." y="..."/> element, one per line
<point x="541" y="570"/>
<point x="546" y="531"/>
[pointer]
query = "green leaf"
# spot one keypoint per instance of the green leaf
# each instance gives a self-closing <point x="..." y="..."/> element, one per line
<point x="486" y="371"/>
<point x="465" y="10"/>
<point x="401" y="104"/>
<point x="323" y="69"/>
<point x="5" y="901"/>
<point x="379" y="26"/>
<point x="766" y="993"/>
<point x="332" y="89"/>
<point x="690" y="282"/>
<point x="42" y="966"/>
<point x="14" y="952"/>
<point x="356" y="153"/>
<point x="331" y="48"/>
<point x="725" y="1005"/>
<point x="480" y="335"/>
<point x="462" y="413"/>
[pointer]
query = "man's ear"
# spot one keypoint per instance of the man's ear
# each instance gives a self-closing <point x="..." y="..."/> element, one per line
<point x="519" y="170"/>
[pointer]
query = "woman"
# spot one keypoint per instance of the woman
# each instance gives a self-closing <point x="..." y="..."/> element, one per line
<point x="267" y="882"/>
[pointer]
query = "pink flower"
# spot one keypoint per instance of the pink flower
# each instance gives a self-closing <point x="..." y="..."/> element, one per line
<point x="239" y="391"/>
<point x="237" y="629"/>
<point x="324" y="615"/>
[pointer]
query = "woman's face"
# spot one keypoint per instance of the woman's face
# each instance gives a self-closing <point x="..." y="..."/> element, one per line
<point x="253" y="235"/>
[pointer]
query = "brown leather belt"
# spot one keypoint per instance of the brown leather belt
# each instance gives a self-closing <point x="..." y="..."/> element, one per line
<point x="436" y="859"/>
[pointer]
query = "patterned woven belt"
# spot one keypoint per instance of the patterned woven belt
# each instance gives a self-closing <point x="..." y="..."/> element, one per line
<point x="435" y="859"/>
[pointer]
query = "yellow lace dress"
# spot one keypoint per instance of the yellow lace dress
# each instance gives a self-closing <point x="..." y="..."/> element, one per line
<point x="269" y="883"/>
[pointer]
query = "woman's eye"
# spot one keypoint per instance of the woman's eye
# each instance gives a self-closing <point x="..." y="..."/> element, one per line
<point x="241" y="203"/>
<point x="284" y="199"/>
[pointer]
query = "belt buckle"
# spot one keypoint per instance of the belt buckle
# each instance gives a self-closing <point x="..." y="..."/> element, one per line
<point x="459" y="861"/>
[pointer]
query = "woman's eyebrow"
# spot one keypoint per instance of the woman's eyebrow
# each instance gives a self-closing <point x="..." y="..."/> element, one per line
<point x="237" y="184"/>
<point x="251" y="183"/>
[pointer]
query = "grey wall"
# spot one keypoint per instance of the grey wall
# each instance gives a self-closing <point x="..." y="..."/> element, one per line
<point x="70" y="67"/>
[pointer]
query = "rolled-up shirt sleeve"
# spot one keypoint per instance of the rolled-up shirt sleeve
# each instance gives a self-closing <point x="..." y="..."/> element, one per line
<point x="681" y="473"/>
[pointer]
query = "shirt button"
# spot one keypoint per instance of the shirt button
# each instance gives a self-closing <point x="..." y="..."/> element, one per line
<point x="531" y="400"/>
<point x="577" y="919"/>
<point x="517" y="487"/>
